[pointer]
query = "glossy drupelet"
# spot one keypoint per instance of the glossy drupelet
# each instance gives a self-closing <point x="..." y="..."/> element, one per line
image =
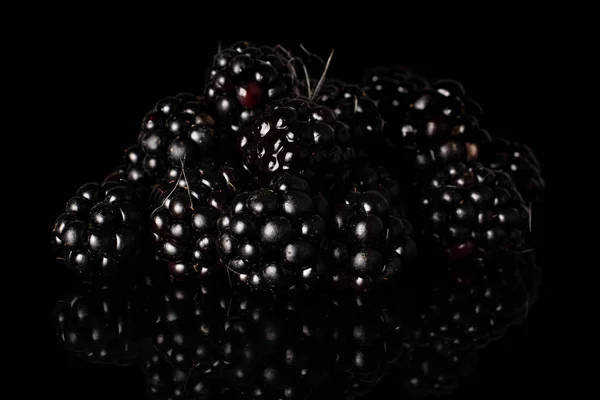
<point x="371" y="246"/>
<point x="101" y="323"/>
<point x="352" y="106"/>
<point x="298" y="136"/>
<point x="276" y="349"/>
<point x="179" y="129"/>
<point x="132" y="169"/>
<point x="519" y="161"/>
<point x="274" y="238"/>
<point x="181" y="359"/>
<point x="244" y="79"/>
<point x="469" y="209"/>
<point x="427" y="124"/>
<point x="187" y="208"/>
<point x="101" y="230"/>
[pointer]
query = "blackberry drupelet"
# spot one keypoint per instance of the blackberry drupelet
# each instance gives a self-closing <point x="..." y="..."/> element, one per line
<point x="469" y="209"/>
<point x="352" y="106"/>
<point x="179" y="129"/>
<point x="181" y="360"/>
<point x="100" y="324"/>
<point x="274" y="238"/>
<point x="244" y="79"/>
<point x="372" y="247"/>
<point x="101" y="230"/>
<point x="366" y="337"/>
<point x="298" y="136"/>
<point x="517" y="160"/>
<point x="184" y="221"/>
<point x="275" y="350"/>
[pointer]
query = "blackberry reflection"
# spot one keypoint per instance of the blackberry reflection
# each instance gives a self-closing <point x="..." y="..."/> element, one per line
<point x="201" y="341"/>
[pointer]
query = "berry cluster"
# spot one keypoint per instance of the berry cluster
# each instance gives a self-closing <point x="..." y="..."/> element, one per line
<point x="279" y="179"/>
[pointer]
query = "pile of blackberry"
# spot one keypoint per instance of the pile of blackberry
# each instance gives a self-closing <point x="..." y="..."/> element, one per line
<point x="310" y="235"/>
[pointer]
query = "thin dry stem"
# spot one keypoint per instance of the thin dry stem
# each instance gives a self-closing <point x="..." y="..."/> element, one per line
<point x="306" y="75"/>
<point x="187" y="183"/>
<point x="530" y="217"/>
<point x="308" y="53"/>
<point x="322" y="80"/>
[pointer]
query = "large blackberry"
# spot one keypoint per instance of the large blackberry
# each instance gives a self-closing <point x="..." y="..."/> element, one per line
<point x="184" y="221"/>
<point x="179" y="129"/>
<point x="468" y="208"/>
<point x="298" y="136"/>
<point x="372" y="246"/>
<point x="101" y="323"/>
<point x="101" y="229"/>
<point x="429" y="124"/>
<point x="351" y="105"/>
<point x="181" y="360"/>
<point x="276" y="350"/>
<point x="517" y="160"/>
<point x="244" y="79"/>
<point x="274" y="238"/>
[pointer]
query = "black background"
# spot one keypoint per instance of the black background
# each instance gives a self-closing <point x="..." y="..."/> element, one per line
<point x="98" y="88"/>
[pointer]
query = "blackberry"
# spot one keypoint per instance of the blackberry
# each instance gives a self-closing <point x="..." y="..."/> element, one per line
<point x="181" y="360"/>
<point x="372" y="246"/>
<point x="298" y="136"/>
<point x="469" y="209"/>
<point x="179" y="129"/>
<point x="351" y="105"/>
<point x="430" y="124"/>
<point x="100" y="323"/>
<point x="475" y="301"/>
<point x="517" y="160"/>
<point x="184" y="221"/>
<point x="275" y="350"/>
<point x="274" y="238"/>
<point x="367" y="342"/>
<point x="244" y="79"/>
<point x="101" y="229"/>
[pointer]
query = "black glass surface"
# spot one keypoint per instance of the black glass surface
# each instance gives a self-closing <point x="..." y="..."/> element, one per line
<point x="472" y="333"/>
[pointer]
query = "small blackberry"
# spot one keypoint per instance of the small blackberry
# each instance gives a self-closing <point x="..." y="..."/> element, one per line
<point x="352" y="106"/>
<point x="275" y="350"/>
<point x="366" y="339"/>
<point x="372" y="246"/>
<point x="517" y="160"/>
<point x="244" y="79"/>
<point x="178" y="129"/>
<point x="184" y="221"/>
<point x="468" y="208"/>
<point x="101" y="229"/>
<point x="298" y="136"/>
<point x="181" y="361"/>
<point x="100" y="324"/>
<point x="274" y="238"/>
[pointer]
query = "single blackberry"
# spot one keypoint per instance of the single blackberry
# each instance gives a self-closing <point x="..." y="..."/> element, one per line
<point x="244" y="79"/>
<point x="366" y="339"/>
<point x="468" y="208"/>
<point x="184" y="221"/>
<point x="179" y="129"/>
<point x="274" y="238"/>
<point x="100" y="323"/>
<point x="352" y="106"/>
<point x="473" y="302"/>
<point x="101" y="229"/>
<point x="298" y="136"/>
<point x="517" y="160"/>
<point x="181" y="360"/>
<point x="427" y="125"/>
<point x="275" y="350"/>
<point x="372" y="246"/>
<point x="428" y="372"/>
